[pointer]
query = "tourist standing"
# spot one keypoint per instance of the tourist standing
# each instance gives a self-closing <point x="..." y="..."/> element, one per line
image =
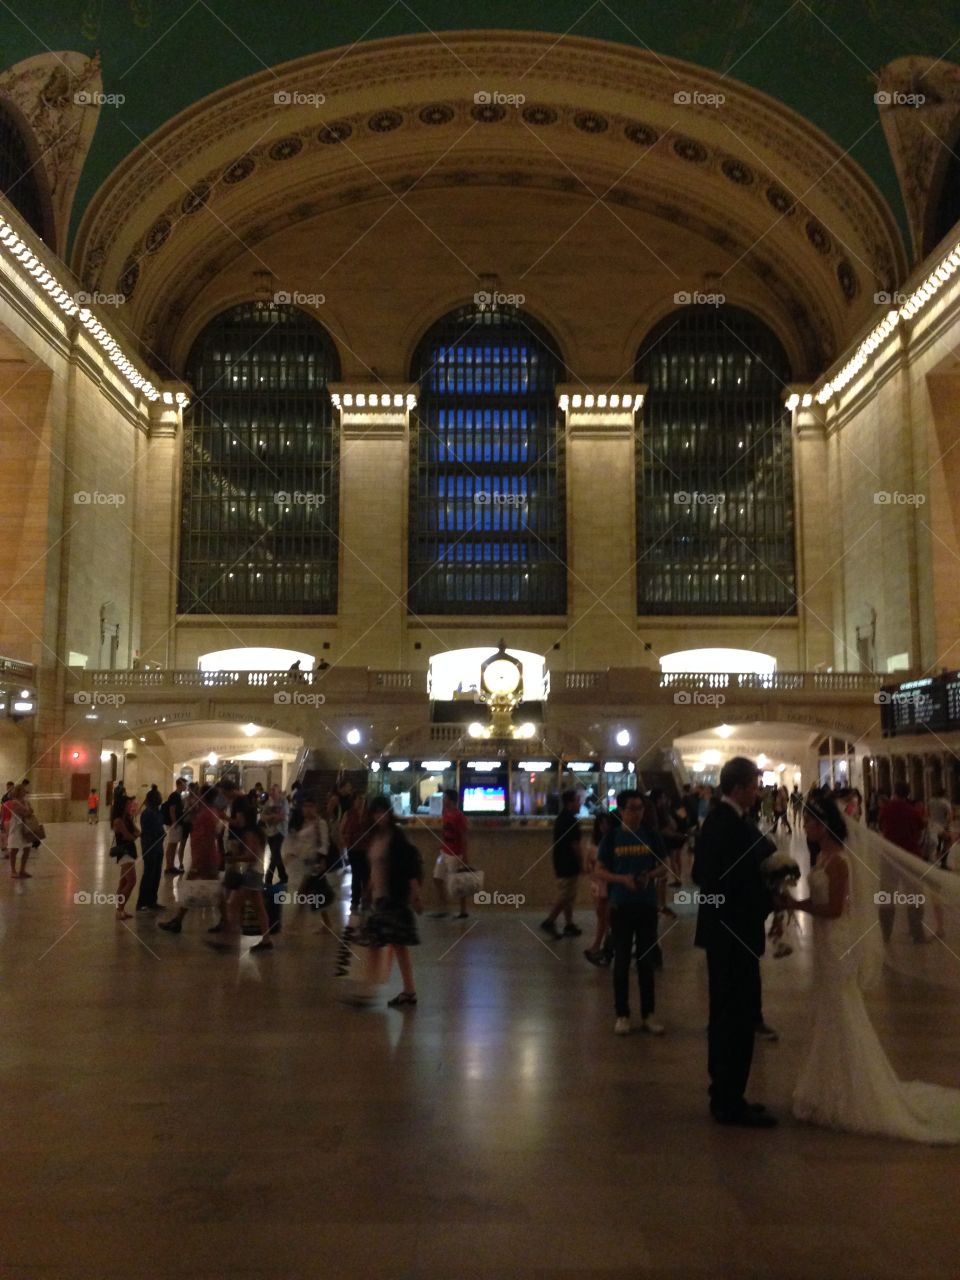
<point x="632" y="861"/>
<point x="151" y="846"/>
<point x="125" y="833"/>
<point x="93" y="807"/>
<point x="567" y="866"/>
<point x="19" y="837"/>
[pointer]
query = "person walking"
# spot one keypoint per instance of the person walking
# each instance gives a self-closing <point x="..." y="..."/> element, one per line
<point x="245" y="846"/>
<point x="354" y="835"/>
<point x="93" y="807"/>
<point x="173" y="812"/>
<point x="567" y="866"/>
<point x="781" y="805"/>
<point x="275" y="816"/>
<point x="151" y="846"/>
<point x="206" y="817"/>
<point x="730" y="927"/>
<point x="632" y="860"/>
<point x="125" y="833"/>
<point x="453" y="853"/>
<point x="396" y="876"/>
<point x="310" y="843"/>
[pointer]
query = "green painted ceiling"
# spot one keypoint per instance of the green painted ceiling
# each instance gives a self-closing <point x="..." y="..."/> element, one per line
<point x="816" y="57"/>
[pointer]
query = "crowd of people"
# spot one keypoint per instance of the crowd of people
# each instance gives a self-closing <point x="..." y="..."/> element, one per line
<point x="234" y="852"/>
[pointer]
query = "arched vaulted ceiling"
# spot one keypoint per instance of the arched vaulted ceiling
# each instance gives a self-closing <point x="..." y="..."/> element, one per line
<point x="400" y="119"/>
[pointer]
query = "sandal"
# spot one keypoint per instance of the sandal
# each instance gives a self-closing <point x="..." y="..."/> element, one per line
<point x="405" y="997"/>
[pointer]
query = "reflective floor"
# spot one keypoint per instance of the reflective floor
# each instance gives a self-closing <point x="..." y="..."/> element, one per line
<point x="168" y="1111"/>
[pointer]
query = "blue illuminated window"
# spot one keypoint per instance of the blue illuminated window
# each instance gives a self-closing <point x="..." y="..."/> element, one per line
<point x="487" y="522"/>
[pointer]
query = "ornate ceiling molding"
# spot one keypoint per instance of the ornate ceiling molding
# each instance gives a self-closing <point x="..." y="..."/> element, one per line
<point x="746" y="172"/>
<point x="173" y="304"/>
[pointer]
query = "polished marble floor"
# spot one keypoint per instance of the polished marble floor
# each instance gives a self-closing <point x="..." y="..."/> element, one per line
<point x="171" y="1112"/>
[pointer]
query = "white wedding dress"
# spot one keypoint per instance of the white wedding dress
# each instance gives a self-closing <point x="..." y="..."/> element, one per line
<point x="846" y="1081"/>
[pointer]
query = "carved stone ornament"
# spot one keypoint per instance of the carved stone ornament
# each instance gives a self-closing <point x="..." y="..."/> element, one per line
<point x="57" y="95"/>
<point x="919" y="104"/>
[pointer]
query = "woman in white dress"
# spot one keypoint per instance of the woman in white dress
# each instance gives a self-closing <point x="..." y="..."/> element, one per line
<point x="846" y="1081"/>
<point x="20" y="838"/>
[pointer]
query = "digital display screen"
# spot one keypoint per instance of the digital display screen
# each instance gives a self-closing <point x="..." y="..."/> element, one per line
<point x="484" y="800"/>
<point x="931" y="704"/>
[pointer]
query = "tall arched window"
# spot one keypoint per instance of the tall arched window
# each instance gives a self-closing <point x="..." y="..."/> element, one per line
<point x="714" y="468"/>
<point x="487" y="501"/>
<point x="20" y="178"/>
<point x="260" y="493"/>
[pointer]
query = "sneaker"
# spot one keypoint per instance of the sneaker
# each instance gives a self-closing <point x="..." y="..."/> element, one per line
<point x="595" y="957"/>
<point x="171" y="926"/>
<point x="651" y="1028"/>
<point x="571" y="931"/>
<point x="763" y="1032"/>
<point x="549" y="927"/>
<point x="622" y="1027"/>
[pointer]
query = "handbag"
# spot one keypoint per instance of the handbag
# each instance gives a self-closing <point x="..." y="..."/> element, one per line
<point x="319" y="887"/>
<point x="465" y="883"/>
<point x="34" y="828"/>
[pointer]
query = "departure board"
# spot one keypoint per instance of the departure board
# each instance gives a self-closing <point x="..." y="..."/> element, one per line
<point x="928" y="705"/>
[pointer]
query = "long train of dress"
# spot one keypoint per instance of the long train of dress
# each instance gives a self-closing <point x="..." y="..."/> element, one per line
<point x="846" y="1081"/>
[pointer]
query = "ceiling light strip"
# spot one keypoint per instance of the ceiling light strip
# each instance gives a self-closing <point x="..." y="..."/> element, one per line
<point x="28" y="262"/>
<point x="923" y="294"/>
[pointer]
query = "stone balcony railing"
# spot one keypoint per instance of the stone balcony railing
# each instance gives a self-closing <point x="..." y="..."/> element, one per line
<point x="629" y="684"/>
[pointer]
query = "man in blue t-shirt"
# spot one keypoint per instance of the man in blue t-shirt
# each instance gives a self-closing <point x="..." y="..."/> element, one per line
<point x="632" y="861"/>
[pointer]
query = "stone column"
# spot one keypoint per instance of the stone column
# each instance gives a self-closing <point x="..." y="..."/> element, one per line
<point x="819" y="534"/>
<point x="157" y="528"/>
<point x="602" y="522"/>
<point x="374" y="486"/>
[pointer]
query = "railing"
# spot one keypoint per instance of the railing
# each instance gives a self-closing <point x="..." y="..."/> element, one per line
<point x="393" y="679"/>
<point x="776" y="681"/>
<point x="353" y="681"/>
<point x="14" y="667"/>
<point x="584" y="679"/>
<point x="196" y="679"/>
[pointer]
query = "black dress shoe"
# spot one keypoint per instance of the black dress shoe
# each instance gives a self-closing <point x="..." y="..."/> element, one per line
<point x="747" y="1118"/>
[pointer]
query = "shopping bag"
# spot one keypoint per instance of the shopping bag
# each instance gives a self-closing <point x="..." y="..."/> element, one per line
<point x="197" y="894"/>
<point x="364" y="970"/>
<point x="465" y="883"/>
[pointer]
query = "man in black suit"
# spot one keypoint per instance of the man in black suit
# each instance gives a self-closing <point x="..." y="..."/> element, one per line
<point x="730" y="926"/>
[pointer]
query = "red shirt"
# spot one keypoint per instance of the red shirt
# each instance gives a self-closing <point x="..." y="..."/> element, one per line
<point x="454" y="835"/>
<point x="902" y="823"/>
<point x="204" y="851"/>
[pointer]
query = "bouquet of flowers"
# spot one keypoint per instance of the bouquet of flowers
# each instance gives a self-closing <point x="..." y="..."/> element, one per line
<point x="780" y="872"/>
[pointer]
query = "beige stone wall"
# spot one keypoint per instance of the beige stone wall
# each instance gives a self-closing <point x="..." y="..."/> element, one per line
<point x="894" y="435"/>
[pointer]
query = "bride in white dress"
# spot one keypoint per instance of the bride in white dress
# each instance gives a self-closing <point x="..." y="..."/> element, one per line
<point x="846" y="1081"/>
